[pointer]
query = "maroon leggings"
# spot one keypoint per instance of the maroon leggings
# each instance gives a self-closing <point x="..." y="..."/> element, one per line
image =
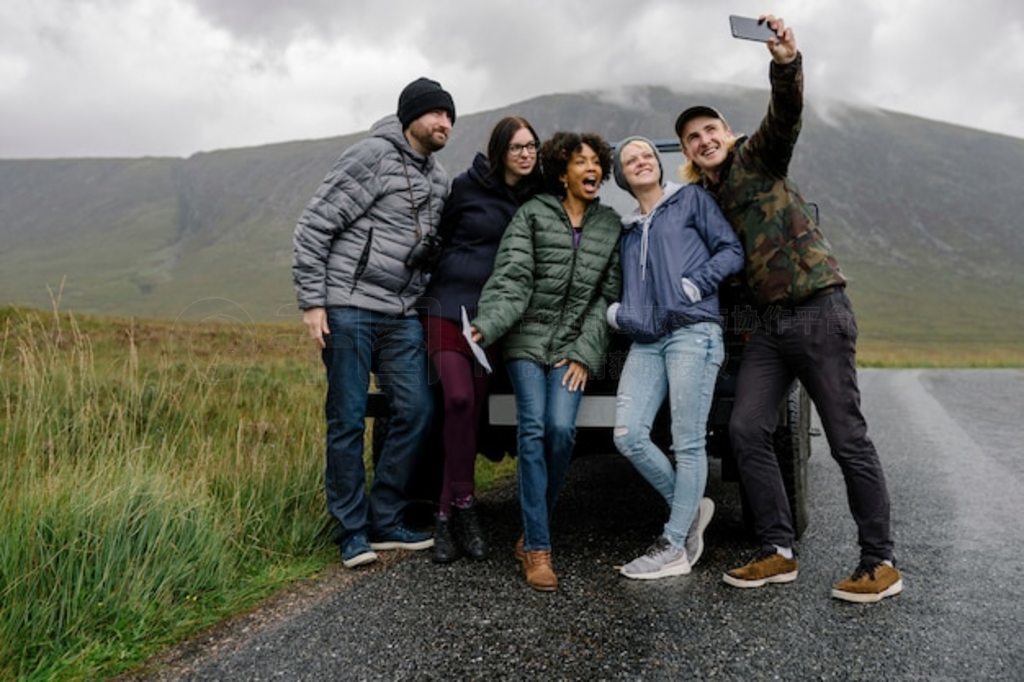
<point x="464" y="385"/>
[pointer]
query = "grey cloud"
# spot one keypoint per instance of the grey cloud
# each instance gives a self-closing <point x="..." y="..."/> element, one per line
<point x="276" y="22"/>
<point x="954" y="62"/>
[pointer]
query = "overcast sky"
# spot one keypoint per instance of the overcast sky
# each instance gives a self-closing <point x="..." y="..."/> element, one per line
<point x="173" y="77"/>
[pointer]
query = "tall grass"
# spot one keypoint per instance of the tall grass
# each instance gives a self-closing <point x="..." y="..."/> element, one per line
<point x="154" y="478"/>
<point x="144" y="493"/>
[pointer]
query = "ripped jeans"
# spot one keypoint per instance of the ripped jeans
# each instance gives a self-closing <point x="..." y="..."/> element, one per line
<point x="683" y="364"/>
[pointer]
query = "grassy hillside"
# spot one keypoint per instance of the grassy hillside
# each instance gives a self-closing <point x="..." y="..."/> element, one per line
<point x="87" y="221"/>
<point x="923" y="215"/>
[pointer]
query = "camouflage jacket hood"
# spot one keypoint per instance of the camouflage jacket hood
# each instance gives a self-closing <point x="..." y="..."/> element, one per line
<point x="788" y="258"/>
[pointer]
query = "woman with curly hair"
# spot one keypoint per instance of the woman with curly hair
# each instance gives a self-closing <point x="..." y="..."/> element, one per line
<point x="556" y="272"/>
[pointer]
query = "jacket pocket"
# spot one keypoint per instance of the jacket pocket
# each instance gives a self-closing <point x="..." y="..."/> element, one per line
<point x="641" y="323"/>
<point x="364" y="258"/>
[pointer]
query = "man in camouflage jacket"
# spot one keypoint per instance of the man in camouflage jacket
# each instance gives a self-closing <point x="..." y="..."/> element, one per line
<point x="806" y="330"/>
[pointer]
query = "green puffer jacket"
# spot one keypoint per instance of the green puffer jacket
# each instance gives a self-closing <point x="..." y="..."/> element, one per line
<point x="788" y="258"/>
<point x="547" y="299"/>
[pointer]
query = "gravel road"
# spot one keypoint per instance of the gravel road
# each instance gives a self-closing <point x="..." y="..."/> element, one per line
<point x="951" y="443"/>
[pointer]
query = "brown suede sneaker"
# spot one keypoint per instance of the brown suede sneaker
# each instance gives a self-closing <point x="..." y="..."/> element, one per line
<point x="520" y="552"/>
<point x="869" y="583"/>
<point x="537" y="569"/>
<point x="767" y="567"/>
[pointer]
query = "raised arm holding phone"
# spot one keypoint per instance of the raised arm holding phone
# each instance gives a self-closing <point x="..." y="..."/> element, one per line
<point x="806" y="331"/>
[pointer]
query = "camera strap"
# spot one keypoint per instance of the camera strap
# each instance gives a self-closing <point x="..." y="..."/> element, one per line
<point x="412" y="199"/>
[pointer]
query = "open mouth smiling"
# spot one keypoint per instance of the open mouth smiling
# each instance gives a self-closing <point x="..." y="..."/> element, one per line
<point x="711" y="150"/>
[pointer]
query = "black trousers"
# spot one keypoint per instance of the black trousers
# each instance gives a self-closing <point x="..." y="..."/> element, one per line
<point x="816" y="343"/>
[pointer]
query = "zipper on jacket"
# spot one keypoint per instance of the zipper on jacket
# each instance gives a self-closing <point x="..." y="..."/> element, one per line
<point x="568" y="287"/>
<point x="412" y="273"/>
<point x="364" y="258"/>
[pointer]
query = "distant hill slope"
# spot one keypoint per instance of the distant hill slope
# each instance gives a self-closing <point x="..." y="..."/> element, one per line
<point x="926" y="217"/>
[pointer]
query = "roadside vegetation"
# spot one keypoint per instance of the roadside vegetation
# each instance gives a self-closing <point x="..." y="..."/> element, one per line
<point x="940" y="353"/>
<point x="158" y="476"/>
<point x="155" y="478"/>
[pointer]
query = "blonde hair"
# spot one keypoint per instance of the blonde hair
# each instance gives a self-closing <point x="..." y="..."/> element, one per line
<point x="689" y="173"/>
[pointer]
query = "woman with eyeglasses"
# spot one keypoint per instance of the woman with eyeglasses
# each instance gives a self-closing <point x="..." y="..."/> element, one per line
<point x="482" y="201"/>
<point x="676" y="249"/>
<point x="556" y="272"/>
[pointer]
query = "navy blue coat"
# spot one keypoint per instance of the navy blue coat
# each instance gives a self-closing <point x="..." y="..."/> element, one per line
<point x="474" y="219"/>
<point x="685" y="236"/>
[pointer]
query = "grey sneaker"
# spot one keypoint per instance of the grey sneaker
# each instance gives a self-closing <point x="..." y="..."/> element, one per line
<point x="661" y="561"/>
<point x="695" y="538"/>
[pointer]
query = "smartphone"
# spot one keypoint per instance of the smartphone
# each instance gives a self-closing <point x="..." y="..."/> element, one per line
<point x="751" y="29"/>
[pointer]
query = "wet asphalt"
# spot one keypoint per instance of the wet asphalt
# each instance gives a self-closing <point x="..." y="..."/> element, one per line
<point x="951" y="444"/>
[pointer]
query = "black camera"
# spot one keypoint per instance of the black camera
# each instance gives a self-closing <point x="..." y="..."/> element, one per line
<point x="426" y="254"/>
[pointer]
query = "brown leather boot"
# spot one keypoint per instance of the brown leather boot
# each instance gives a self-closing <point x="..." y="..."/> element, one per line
<point x="537" y="569"/>
<point x="520" y="552"/>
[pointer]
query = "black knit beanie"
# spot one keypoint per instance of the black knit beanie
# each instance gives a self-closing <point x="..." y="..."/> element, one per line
<point x="421" y="96"/>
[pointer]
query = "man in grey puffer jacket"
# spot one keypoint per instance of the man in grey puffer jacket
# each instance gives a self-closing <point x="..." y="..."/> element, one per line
<point x="357" y="269"/>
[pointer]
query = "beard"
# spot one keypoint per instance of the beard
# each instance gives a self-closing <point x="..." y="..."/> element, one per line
<point x="425" y="136"/>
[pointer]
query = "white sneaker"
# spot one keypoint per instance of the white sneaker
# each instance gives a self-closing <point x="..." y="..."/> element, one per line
<point x="695" y="538"/>
<point x="661" y="561"/>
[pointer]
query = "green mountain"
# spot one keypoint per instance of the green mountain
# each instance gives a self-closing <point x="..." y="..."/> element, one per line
<point x="924" y="216"/>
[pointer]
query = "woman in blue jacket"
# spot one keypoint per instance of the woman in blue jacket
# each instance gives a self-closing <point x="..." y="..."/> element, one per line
<point x="481" y="203"/>
<point x="676" y="249"/>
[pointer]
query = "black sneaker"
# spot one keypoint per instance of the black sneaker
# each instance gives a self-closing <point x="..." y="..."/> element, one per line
<point x="468" y="532"/>
<point x="445" y="549"/>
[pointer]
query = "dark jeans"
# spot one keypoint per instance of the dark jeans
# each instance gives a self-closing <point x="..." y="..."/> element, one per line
<point x="816" y="343"/>
<point x="393" y="348"/>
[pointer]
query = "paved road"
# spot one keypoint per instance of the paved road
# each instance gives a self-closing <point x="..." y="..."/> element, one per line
<point x="951" y="442"/>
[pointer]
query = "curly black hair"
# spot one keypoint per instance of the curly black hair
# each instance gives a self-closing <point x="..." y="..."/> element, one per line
<point x="556" y="151"/>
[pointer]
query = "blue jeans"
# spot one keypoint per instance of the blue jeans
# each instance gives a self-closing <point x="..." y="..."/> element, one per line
<point x="393" y="348"/>
<point x="546" y="413"/>
<point x="683" y="364"/>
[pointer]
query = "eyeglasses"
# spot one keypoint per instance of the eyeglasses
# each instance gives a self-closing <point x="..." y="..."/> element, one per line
<point x="517" y="149"/>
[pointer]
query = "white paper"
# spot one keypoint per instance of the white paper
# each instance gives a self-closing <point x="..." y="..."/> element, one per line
<point x="478" y="352"/>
